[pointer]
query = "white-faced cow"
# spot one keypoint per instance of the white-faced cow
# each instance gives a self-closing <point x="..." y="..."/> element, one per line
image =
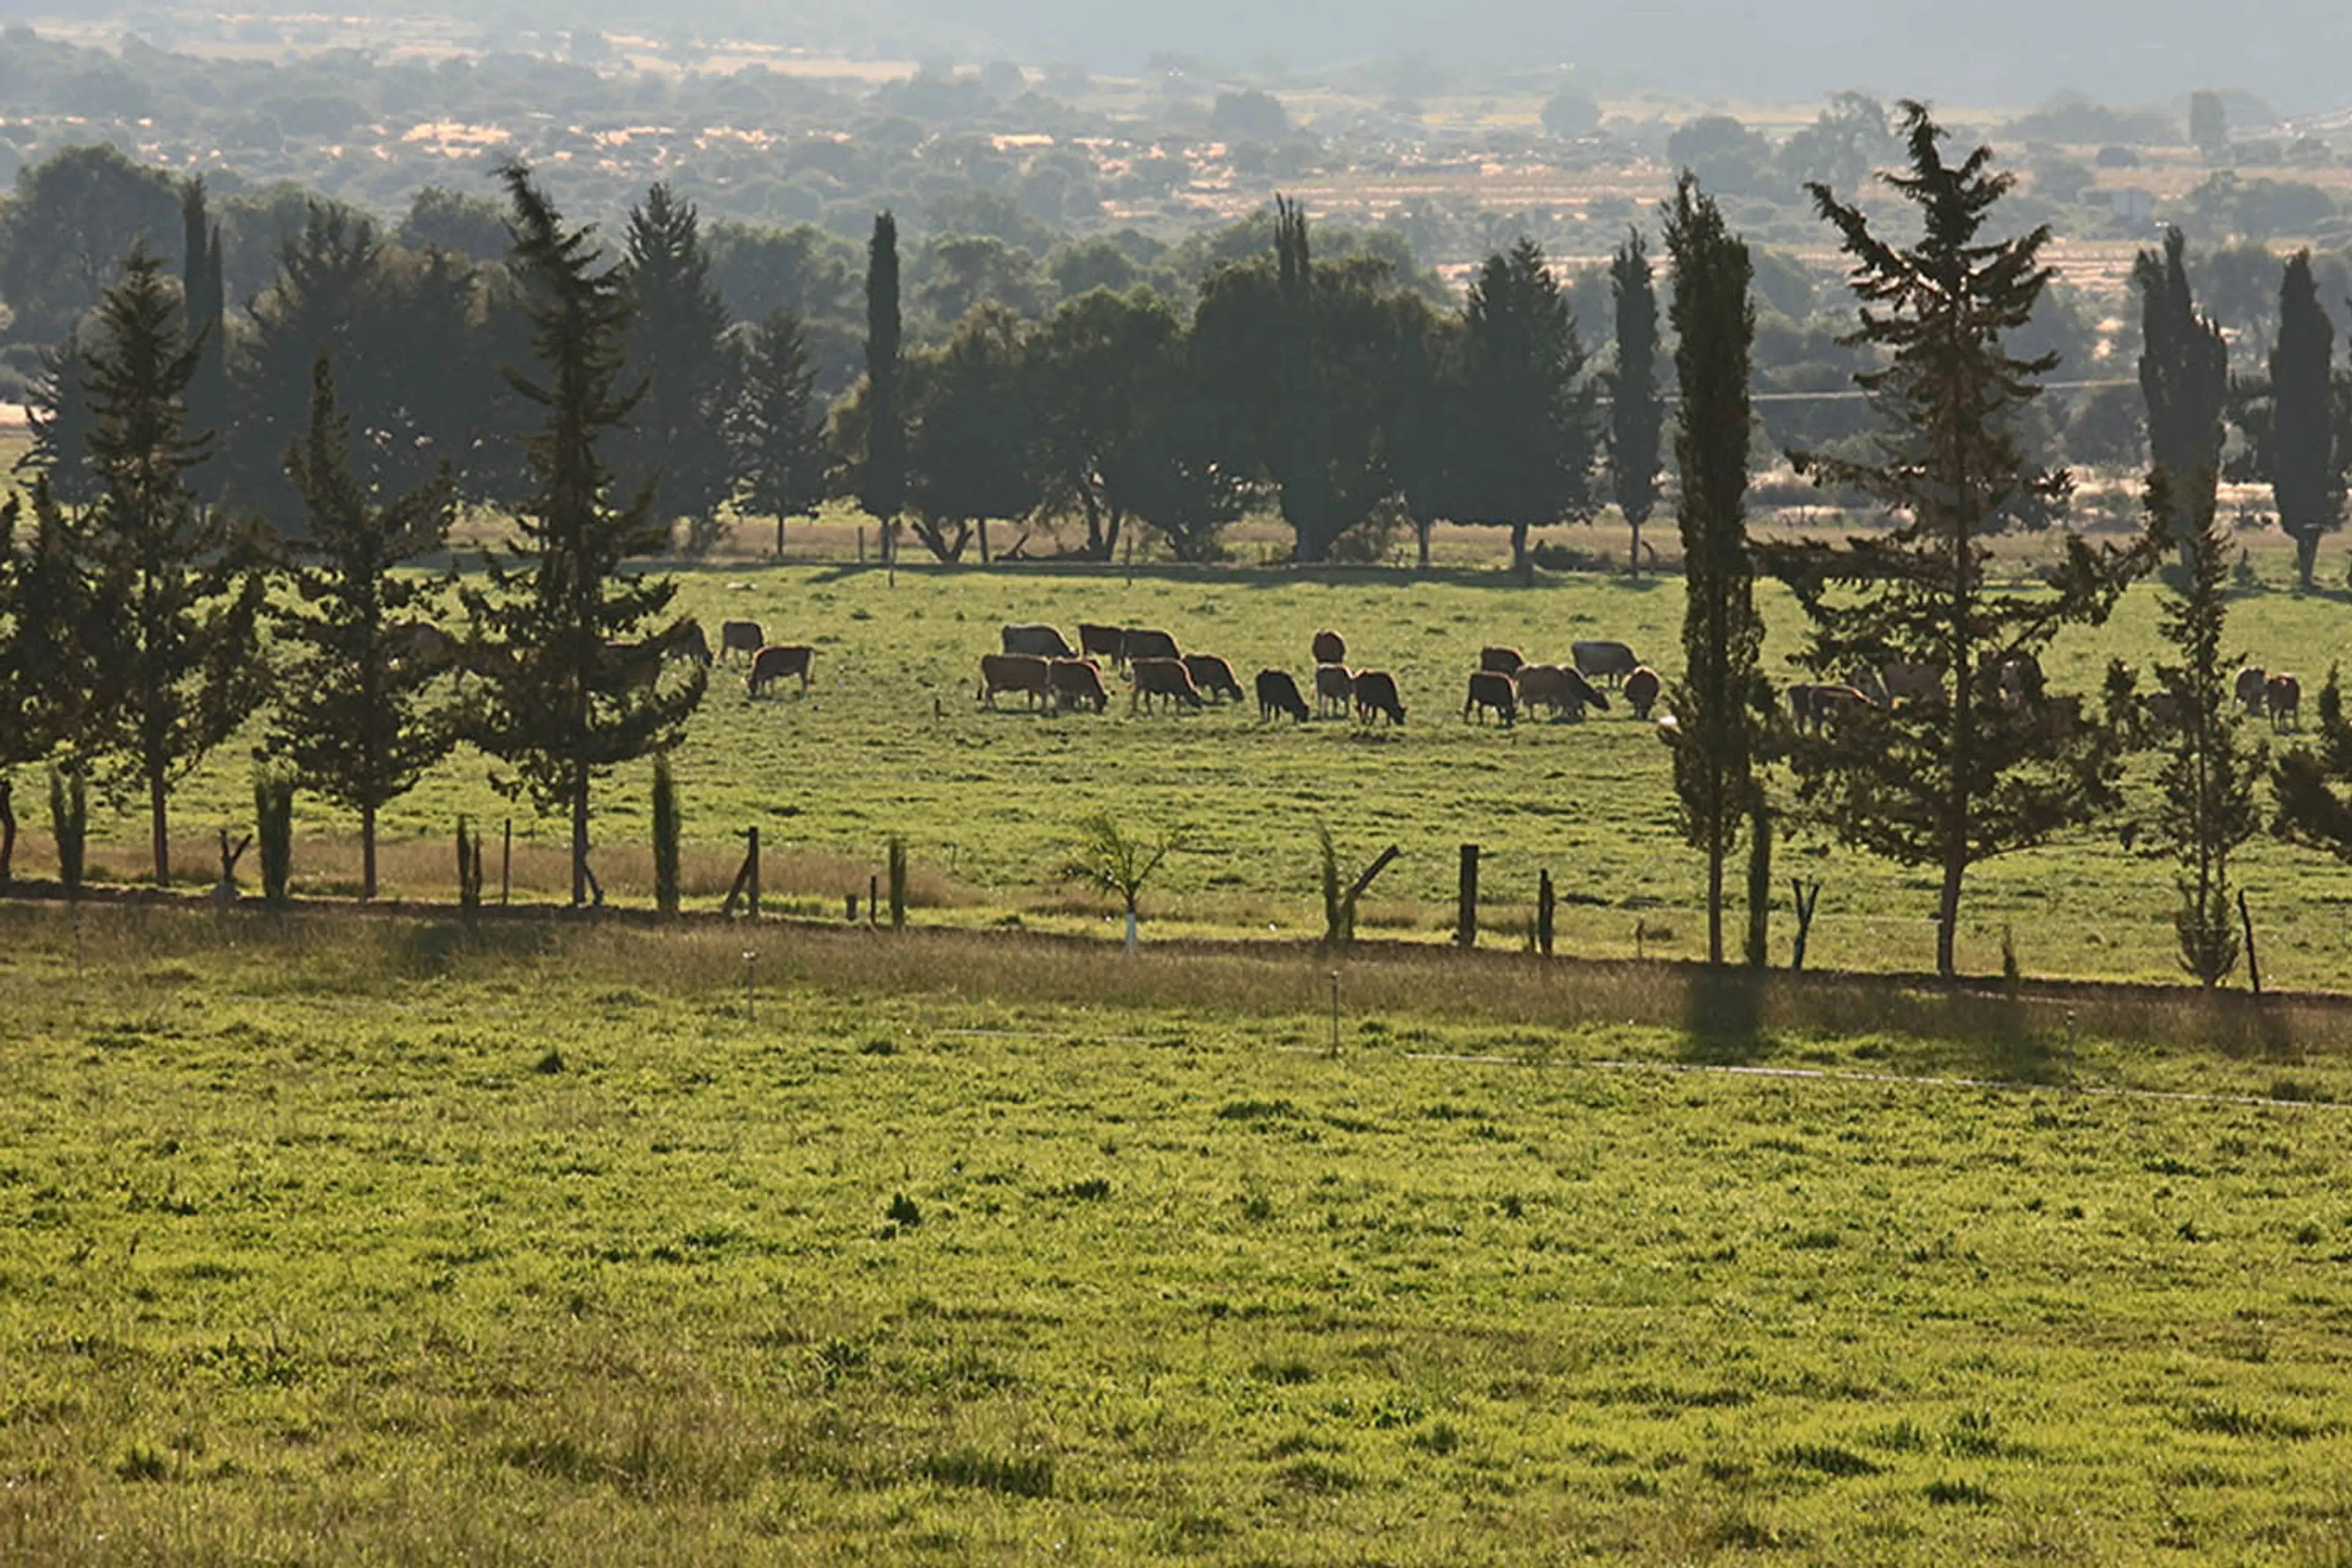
<point x="778" y="661"/>
<point x="2249" y="689"/>
<point x="1278" y="693"/>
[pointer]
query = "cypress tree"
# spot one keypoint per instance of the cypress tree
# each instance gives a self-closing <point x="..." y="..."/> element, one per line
<point x="676" y="433"/>
<point x="1300" y="459"/>
<point x="882" y="482"/>
<point x="1526" y="453"/>
<point x="1973" y="768"/>
<point x="1714" y="736"/>
<point x="354" y="719"/>
<point x="2184" y="379"/>
<point x="1637" y="413"/>
<point x="2306" y="478"/>
<point x="570" y="697"/>
<point x="186" y="648"/>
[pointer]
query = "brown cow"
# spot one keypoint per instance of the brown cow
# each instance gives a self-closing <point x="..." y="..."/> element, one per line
<point x="1077" y="683"/>
<point x="2249" y="689"/>
<point x="1022" y="672"/>
<point x="1278" y="693"/>
<point x="1043" y="641"/>
<point x="1102" y="642"/>
<point x="1500" y="660"/>
<point x="1491" y="688"/>
<point x="1330" y="647"/>
<point x="2282" y="695"/>
<point x="1213" y="676"/>
<point x="1141" y="642"/>
<point x="1376" y="692"/>
<point x="777" y="660"/>
<point x="741" y="637"/>
<point x="1812" y="707"/>
<point x="1161" y="678"/>
<point x="1610" y="661"/>
<point x="1642" y="689"/>
<point x="1558" y="688"/>
<point x="1334" y="688"/>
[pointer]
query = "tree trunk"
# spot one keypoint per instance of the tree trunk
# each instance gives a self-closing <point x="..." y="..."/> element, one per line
<point x="7" y="832"/>
<point x="983" y="541"/>
<point x="367" y="853"/>
<point x="1948" y="908"/>
<point x="1633" y="560"/>
<point x="579" y="834"/>
<point x="1714" y="904"/>
<point x="1521" y="562"/>
<point x="160" y="827"/>
<point x="1098" y="547"/>
<point x="2306" y="555"/>
<point x="1420" y="527"/>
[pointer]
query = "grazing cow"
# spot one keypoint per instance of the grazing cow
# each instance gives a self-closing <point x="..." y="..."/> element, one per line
<point x="2249" y="689"/>
<point x="1609" y="661"/>
<point x="1141" y="643"/>
<point x="1642" y="689"/>
<point x="1102" y="642"/>
<point x="2017" y="677"/>
<point x="741" y="637"/>
<point x="1908" y="680"/>
<point x="777" y="660"/>
<point x="1330" y="647"/>
<point x="1038" y="641"/>
<point x="1558" y="688"/>
<point x="1278" y="693"/>
<point x="2282" y="695"/>
<point x="1334" y="688"/>
<point x="1812" y="707"/>
<point x="1077" y="683"/>
<point x="1022" y="672"/>
<point x="1213" y="675"/>
<point x="1492" y="688"/>
<point x="686" y="641"/>
<point x="1500" y="660"/>
<point x="1161" y="678"/>
<point x="1376" y="692"/>
<point x="422" y="644"/>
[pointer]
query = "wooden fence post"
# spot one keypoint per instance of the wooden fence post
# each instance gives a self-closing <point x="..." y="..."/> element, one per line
<point x="2254" y="965"/>
<point x="506" y="865"/>
<point x="1543" y="913"/>
<point x="1466" y="912"/>
<point x="751" y="862"/>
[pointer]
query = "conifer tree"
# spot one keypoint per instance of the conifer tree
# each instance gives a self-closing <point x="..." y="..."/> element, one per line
<point x="353" y="716"/>
<point x="1716" y="705"/>
<point x="1526" y="452"/>
<point x="577" y="688"/>
<point x="60" y="415"/>
<point x="1637" y="413"/>
<point x="204" y="301"/>
<point x="882" y="478"/>
<point x="2184" y="378"/>
<point x="676" y="433"/>
<point x="1983" y="764"/>
<point x="2306" y="473"/>
<point x="186" y="650"/>
<point x="779" y="441"/>
<point x="1299" y="457"/>
<point x="53" y="677"/>
<point x="330" y="291"/>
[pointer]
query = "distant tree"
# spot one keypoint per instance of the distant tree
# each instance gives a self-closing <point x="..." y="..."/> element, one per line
<point x="187" y="649"/>
<point x="1732" y="160"/>
<point x="1526" y="458"/>
<point x="2184" y="379"/>
<point x="74" y="216"/>
<point x="56" y="671"/>
<point x="2306" y="471"/>
<point x="778" y="438"/>
<point x="1175" y="475"/>
<point x="676" y="437"/>
<point x="1982" y="765"/>
<point x="1299" y="453"/>
<point x="1097" y="368"/>
<point x="882" y="480"/>
<point x="1422" y="415"/>
<point x="1250" y="115"/>
<point x="2207" y="809"/>
<point x="970" y="435"/>
<point x="2208" y="126"/>
<point x="353" y="715"/>
<point x="446" y="220"/>
<point x="1846" y="141"/>
<point x="204" y="303"/>
<point x="1637" y="413"/>
<point x="57" y="409"/>
<point x="1571" y="112"/>
<point x="326" y="298"/>
<point x="1715" y="734"/>
<point x="577" y="688"/>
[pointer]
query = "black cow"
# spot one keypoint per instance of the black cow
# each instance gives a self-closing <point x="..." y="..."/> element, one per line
<point x="1376" y="692"/>
<point x="1492" y="688"/>
<point x="1278" y="693"/>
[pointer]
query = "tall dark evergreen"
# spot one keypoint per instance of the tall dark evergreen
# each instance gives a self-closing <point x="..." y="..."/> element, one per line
<point x="779" y="451"/>
<point x="187" y="649"/>
<point x="328" y="297"/>
<point x="676" y="433"/>
<point x="2184" y="379"/>
<point x="2306" y="472"/>
<point x="1526" y="450"/>
<point x="205" y="299"/>
<point x="1299" y="457"/>
<point x="354" y="715"/>
<point x="882" y="477"/>
<point x="577" y="683"/>
<point x="57" y="668"/>
<point x="1637" y="412"/>
<point x="1719" y="703"/>
<point x="2207" y="807"/>
<point x="1974" y="760"/>
<point x="1421" y="417"/>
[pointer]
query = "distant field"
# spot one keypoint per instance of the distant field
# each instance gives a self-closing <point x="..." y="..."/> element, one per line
<point x="890" y="741"/>
<point x="365" y="1242"/>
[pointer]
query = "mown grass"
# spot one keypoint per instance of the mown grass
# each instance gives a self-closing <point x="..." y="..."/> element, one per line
<point x="890" y="741"/>
<point x="380" y="1242"/>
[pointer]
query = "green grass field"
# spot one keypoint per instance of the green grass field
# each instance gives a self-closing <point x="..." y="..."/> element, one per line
<point x="890" y="741"/>
<point x="365" y="1242"/>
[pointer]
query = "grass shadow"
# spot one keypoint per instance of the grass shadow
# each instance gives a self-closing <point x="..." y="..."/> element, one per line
<point x="1723" y="1018"/>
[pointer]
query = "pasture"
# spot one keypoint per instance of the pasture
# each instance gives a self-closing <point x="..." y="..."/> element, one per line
<point x="890" y="741"/>
<point x="367" y="1242"/>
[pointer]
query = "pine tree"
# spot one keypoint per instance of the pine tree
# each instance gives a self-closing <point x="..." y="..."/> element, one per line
<point x="1980" y="767"/>
<point x="353" y="715"/>
<point x="188" y="652"/>
<point x="59" y="414"/>
<point x="1637" y="413"/>
<point x="676" y="433"/>
<point x="2306" y="473"/>
<point x="51" y="676"/>
<point x="2207" y="809"/>
<point x="779" y="441"/>
<point x="204" y="301"/>
<point x="882" y="478"/>
<point x="1716" y="707"/>
<point x="1525" y="455"/>
<point x="2184" y="379"/>
<point x="576" y="689"/>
